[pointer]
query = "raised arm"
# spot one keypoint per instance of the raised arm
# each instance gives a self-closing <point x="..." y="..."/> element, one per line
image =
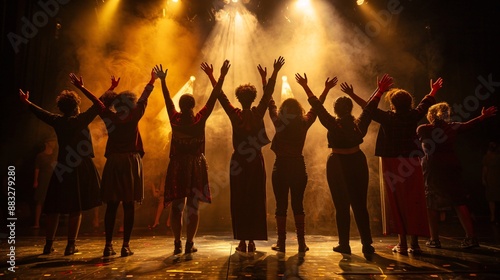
<point x="78" y="83"/>
<point x="40" y="113"/>
<point x="349" y="90"/>
<point x="269" y="88"/>
<point x="329" y="84"/>
<point x="324" y="117"/>
<point x="485" y="114"/>
<point x="224" y="101"/>
<point x="162" y="75"/>
<point x="114" y="83"/>
<point x="436" y="86"/>
<point x="218" y="87"/>
<point x="263" y="75"/>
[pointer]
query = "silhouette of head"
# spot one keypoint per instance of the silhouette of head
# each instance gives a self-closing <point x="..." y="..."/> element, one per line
<point x="246" y="94"/>
<point x="342" y="106"/>
<point x="68" y="102"/>
<point x="186" y="103"/>
<point x="108" y="98"/>
<point x="291" y="108"/>
<point x="400" y="100"/>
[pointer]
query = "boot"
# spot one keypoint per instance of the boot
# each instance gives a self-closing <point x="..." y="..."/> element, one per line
<point x="300" y="228"/>
<point x="281" y="229"/>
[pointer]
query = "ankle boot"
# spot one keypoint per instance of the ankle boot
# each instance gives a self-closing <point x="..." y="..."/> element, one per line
<point x="177" y="247"/>
<point x="281" y="230"/>
<point x="48" y="248"/>
<point x="300" y="228"/>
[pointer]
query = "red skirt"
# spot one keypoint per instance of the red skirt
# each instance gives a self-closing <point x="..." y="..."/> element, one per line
<point x="402" y="191"/>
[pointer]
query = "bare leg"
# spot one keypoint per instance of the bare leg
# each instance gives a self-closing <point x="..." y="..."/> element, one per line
<point x="192" y="218"/>
<point x="38" y="214"/>
<point x="433" y="223"/>
<point x="176" y="213"/>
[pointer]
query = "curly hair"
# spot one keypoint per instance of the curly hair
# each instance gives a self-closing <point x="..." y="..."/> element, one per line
<point x="439" y="112"/>
<point x="127" y="98"/>
<point x="400" y="99"/>
<point x="108" y="98"/>
<point x="246" y="94"/>
<point x="343" y="107"/>
<point x="68" y="102"/>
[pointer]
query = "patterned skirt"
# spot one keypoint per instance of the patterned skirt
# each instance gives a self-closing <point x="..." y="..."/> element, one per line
<point x="187" y="176"/>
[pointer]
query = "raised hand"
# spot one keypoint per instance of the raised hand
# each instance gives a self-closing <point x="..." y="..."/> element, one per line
<point x="301" y="80"/>
<point x="208" y="69"/>
<point x="225" y="68"/>
<point x="329" y="84"/>
<point x="24" y="96"/>
<point x="158" y="71"/>
<point x="262" y="72"/>
<point x="438" y="84"/>
<point x="385" y="83"/>
<point x="278" y="63"/>
<point x="76" y="81"/>
<point x="489" y="112"/>
<point x="346" y="88"/>
<point x="114" y="82"/>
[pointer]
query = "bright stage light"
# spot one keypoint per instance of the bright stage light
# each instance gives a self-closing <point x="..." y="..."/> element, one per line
<point x="286" y="90"/>
<point x="303" y="4"/>
<point x="235" y="1"/>
<point x="175" y="1"/>
<point x="360" y="2"/>
<point x="192" y="78"/>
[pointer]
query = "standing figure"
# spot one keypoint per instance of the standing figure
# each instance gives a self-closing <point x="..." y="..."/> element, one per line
<point x="491" y="179"/>
<point x="347" y="168"/>
<point x="442" y="170"/>
<point x="122" y="177"/>
<point x="75" y="182"/>
<point x="401" y="178"/>
<point x="247" y="171"/>
<point x="44" y="166"/>
<point x="289" y="171"/>
<point x="187" y="174"/>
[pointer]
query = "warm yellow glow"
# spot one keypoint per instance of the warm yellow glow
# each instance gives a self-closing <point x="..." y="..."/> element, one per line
<point x="107" y="14"/>
<point x="175" y="1"/>
<point x="192" y="78"/>
<point x="286" y="90"/>
<point x="235" y="1"/>
<point x="360" y="2"/>
<point x="303" y="4"/>
<point x="284" y="78"/>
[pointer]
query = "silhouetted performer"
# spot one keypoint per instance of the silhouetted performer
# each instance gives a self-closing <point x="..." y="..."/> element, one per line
<point x="401" y="178"/>
<point x="187" y="174"/>
<point x="442" y="170"/>
<point x="346" y="168"/>
<point x="247" y="172"/>
<point x="44" y="166"/>
<point x="122" y="177"/>
<point x="289" y="171"/>
<point x="75" y="183"/>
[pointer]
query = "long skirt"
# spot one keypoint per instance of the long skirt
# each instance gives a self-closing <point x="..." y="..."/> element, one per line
<point x="122" y="178"/>
<point x="404" y="209"/>
<point x="248" y="197"/>
<point x="73" y="189"/>
<point x="187" y="176"/>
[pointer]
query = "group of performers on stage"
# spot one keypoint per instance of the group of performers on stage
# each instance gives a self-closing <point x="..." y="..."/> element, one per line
<point x="411" y="197"/>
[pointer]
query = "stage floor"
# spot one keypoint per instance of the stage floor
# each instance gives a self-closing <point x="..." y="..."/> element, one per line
<point x="216" y="258"/>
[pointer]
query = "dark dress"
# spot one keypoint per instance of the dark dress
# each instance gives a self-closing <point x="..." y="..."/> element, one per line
<point x="122" y="177"/>
<point x="75" y="182"/>
<point x="442" y="169"/>
<point x="44" y="163"/>
<point x="289" y="171"/>
<point x="247" y="172"/>
<point x="187" y="172"/>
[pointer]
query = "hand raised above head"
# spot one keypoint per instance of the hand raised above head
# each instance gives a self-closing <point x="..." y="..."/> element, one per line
<point x="225" y="67"/>
<point x="489" y="112"/>
<point x="301" y="80"/>
<point x="114" y="82"/>
<point x="346" y="88"/>
<point x="278" y="63"/>
<point x="262" y="72"/>
<point x="385" y="83"/>
<point x="329" y="84"/>
<point x="24" y="96"/>
<point x="208" y="69"/>
<point x="158" y="71"/>
<point x="438" y="84"/>
<point x="76" y="81"/>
